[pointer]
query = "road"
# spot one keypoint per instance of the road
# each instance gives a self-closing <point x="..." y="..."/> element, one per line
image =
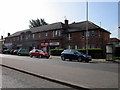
<point x="92" y="75"/>
<point x="15" y="79"/>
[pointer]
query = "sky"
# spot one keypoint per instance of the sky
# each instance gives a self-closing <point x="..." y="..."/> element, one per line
<point x="15" y="14"/>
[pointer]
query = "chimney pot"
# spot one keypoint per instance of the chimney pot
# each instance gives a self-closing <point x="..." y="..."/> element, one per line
<point x="66" y="22"/>
<point x="8" y="34"/>
<point x="1" y="37"/>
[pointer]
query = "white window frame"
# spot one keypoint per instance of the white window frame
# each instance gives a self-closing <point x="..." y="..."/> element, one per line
<point x="33" y="36"/>
<point x="69" y="36"/>
<point x="76" y="47"/>
<point x="46" y="34"/>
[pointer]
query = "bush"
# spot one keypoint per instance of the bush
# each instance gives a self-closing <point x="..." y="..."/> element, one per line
<point x="116" y="58"/>
<point x="56" y="52"/>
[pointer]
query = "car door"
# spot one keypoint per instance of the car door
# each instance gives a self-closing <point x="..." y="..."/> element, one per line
<point x="36" y="53"/>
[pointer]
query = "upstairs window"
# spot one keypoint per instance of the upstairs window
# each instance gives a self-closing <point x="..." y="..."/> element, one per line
<point x="33" y="36"/>
<point x="69" y="36"/>
<point x="46" y="34"/>
<point x="56" y="33"/>
<point x="53" y="33"/>
<point x="83" y="35"/>
<point x="92" y="33"/>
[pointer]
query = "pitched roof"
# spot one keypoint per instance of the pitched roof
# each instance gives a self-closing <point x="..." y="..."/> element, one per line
<point x="39" y="29"/>
<point x="81" y="26"/>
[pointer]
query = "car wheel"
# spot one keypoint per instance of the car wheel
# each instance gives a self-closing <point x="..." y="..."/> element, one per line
<point x="47" y="57"/>
<point x="31" y="56"/>
<point x="63" y="58"/>
<point x="40" y="56"/>
<point x="70" y="59"/>
<point x="79" y="59"/>
<point x="19" y="54"/>
<point x="87" y="61"/>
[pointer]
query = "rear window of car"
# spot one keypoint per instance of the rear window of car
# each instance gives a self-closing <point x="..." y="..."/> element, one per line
<point x="40" y="51"/>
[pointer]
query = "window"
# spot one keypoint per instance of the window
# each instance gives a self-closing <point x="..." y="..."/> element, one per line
<point x="83" y="46"/>
<point x="59" y="33"/>
<point x="88" y="46"/>
<point x="33" y="36"/>
<point x="53" y="33"/>
<point x="18" y="38"/>
<point x="39" y="35"/>
<point x="56" y="33"/>
<point x="87" y="34"/>
<point x="83" y="35"/>
<point x="76" y="47"/>
<point x="69" y="47"/>
<point x="21" y="37"/>
<point x="46" y="34"/>
<point x="69" y="36"/>
<point x="92" y="46"/>
<point x="26" y="37"/>
<point x="93" y="33"/>
<point x="29" y="36"/>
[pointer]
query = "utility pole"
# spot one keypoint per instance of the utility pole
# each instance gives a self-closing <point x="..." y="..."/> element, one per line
<point x="100" y="24"/>
<point x="87" y="27"/>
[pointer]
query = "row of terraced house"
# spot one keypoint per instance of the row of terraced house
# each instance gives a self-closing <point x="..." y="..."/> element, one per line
<point x="59" y="35"/>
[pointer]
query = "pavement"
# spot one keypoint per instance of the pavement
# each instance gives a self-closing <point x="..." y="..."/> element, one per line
<point x="93" y="60"/>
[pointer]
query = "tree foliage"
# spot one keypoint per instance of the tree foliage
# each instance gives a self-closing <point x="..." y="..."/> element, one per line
<point x="37" y="23"/>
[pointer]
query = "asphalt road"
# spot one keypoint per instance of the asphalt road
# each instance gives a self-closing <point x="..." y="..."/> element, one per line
<point x="93" y="74"/>
<point x="15" y="79"/>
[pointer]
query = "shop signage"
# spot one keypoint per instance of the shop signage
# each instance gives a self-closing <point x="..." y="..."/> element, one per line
<point x="19" y="45"/>
<point x="54" y="43"/>
<point x="44" y="44"/>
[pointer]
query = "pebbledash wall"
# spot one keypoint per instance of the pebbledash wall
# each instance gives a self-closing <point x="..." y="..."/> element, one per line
<point x="59" y="35"/>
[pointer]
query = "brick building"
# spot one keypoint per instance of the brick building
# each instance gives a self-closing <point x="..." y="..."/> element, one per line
<point x="59" y="35"/>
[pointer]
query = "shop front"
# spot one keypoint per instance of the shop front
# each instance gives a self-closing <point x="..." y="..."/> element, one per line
<point x="47" y="46"/>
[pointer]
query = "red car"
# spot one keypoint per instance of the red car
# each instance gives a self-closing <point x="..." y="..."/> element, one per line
<point x="38" y="53"/>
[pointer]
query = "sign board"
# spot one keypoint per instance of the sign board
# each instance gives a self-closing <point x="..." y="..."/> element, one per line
<point x="54" y="44"/>
<point x="109" y="49"/>
<point x="44" y="44"/>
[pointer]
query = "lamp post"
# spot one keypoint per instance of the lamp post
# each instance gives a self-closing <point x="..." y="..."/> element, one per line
<point x="87" y="27"/>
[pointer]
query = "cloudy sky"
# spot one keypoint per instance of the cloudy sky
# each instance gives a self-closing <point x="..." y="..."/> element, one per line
<point x="15" y="14"/>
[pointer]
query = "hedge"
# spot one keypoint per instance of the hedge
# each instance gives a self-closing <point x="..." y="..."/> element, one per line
<point x="116" y="58"/>
<point x="96" y="53"/>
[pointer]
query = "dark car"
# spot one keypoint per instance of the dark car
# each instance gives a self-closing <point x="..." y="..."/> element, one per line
<point x="15" y="52"/>
<point x="23" y="52"/>
<point x="39" y="53"/>
<point x="11" y="51"/>
<point x="6" y="51"/>
<point x="75" y="55"/>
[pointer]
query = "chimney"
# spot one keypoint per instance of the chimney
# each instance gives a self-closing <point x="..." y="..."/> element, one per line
<point x="66" y="22"/>
<point x="8" y="34"/>
<point x="1" y="37"/>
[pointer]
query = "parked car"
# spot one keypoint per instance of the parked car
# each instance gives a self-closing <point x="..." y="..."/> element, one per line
<point x="11" y="51"/>
<point x="75" y="55"/>
<point x="6" y="51"/>
<point x="39" y="53"/>
<point x="15" y="52"/>
<point x="23" y="52"/>
<point x="1" y="51"/>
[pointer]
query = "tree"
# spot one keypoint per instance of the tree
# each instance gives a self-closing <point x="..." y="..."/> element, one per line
<point x="37" y="23"/>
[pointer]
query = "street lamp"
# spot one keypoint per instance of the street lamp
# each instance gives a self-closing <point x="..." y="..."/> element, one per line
<point x="87" y="27"/>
